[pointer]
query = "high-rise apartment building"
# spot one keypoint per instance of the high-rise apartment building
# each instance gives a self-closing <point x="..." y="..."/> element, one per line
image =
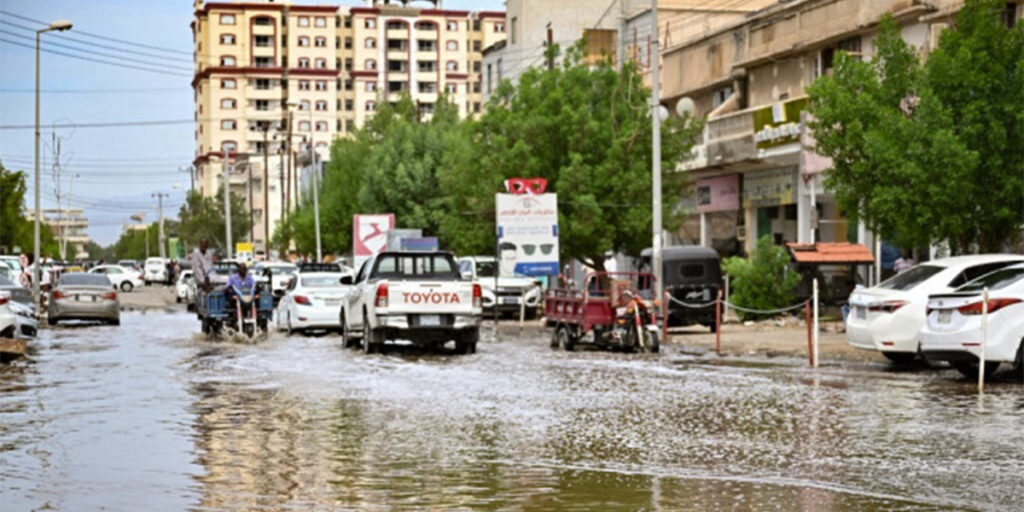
<point x="267" y="70"/>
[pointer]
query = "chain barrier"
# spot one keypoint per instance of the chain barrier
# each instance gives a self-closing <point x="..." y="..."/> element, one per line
<point x="692" y="305"/>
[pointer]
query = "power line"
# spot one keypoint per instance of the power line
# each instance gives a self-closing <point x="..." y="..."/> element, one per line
<point x="91" y="52"/>
<point x="90" y="59"/>
<point x="102" y="37"/>
<point x="94" y="91"/>
<point x="100" y="45"/>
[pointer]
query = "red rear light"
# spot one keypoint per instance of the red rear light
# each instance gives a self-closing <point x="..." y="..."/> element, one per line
<point x="382" y="295"/>
<point x="4" y="300"/>
<point x="478" y="296"/>
<point x="303" y="300"/>
<point x="889" y="306"/>
<point x="57" y="294"/>
<point x="993" y="306"/>
<point x="109" y="296"/>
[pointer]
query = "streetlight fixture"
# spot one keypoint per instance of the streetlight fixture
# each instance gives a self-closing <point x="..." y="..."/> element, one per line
<point x="316" y="187"/>
<point x="59" y="25"/>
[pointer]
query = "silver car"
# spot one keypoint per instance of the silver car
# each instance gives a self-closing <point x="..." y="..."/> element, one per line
<point x="83" y="296"/>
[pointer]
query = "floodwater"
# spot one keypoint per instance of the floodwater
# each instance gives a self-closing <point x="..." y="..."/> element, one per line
<point x="152" y="416"/>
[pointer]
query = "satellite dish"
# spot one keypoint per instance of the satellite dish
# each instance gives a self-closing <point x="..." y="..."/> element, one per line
<point x="685" y="107"/>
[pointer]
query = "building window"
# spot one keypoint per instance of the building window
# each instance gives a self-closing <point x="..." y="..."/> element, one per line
<point x="426" y="45"/>
<point x="228" y="103"/>
<point x="321" y="126"/>
<point x="427" y="87"/>
<point x="320" y="21"/>
<point x="263" y="21"/>
<point x="303" y="62"/>
<point x="371" y="86"/>
<point x="476" y="24"/>
<point x="453" y="26"/>
<point x="228" y="83"/>
<point x="476" y="87"/>
<point x="321" y="42"/>
<point x="303" y="126"/>
<point x="227" y="39"/>
<point x="303" y="41"/>
<point x="371" y="106"/>
<point x="370" y="64"/>
<point x="452" y="88"/>
<point x="476" y="107"/>
<point x="227" y="60"/>
<point x="499" y="27"/>
<point x="304" y="105"/>
<point x="261" y="41"/>
<point x="348" y="64"/>
<point x="303" y="21"/>
<point x="263" y="62"/>
<point x="453" y="66"/>
<point x="321" y="105"/>
<point x="348" y="43"/>
<point x="348" y="85"/>
<point x="321" y="63"/>
<point x="227" y="19"/>
<point x="303" y="85"/>
<point x="427" y="66"/>
<point x="452" y="45"/>
<point x="229" y="146"/>
<point x="370" y="42"/>
<point x="263" y="105"/>
<point x="348" y="106"/>
<point x="477" y="45"/>
<point x="476" y="66"/>
<point x="395" y="25"/>
<point x="263" y="84"/>
<point x="348" y="22"/>
<point x="396" y="86"/>
<point x="397" y="66"/>
<point x="321" y="85"/>
<point x="397" y="44"/>
<point x="228" y="124"/>
<point x="370" y="23"/>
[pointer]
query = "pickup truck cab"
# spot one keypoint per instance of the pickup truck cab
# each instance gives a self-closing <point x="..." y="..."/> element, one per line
<point x="415" y="296"/>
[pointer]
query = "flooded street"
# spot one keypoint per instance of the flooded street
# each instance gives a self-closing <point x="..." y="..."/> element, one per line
<point x="152" y="416"/>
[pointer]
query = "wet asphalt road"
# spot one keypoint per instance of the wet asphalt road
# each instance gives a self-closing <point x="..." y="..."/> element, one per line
<point x="153" y="416"/>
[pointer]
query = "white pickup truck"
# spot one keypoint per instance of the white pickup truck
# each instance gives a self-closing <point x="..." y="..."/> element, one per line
<point x="415" y="296"/>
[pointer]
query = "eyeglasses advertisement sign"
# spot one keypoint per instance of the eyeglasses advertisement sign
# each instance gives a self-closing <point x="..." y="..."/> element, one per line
<point x="527" y="234"/>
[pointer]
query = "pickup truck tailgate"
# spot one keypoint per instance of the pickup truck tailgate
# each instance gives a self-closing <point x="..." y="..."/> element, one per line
<point x="430" y="297"/>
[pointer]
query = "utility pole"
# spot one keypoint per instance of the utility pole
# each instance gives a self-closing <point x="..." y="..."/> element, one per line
<point x="284" y="168"/>
<point x="316" y="190"/>
<point x="551" y="51"/>
<point x="656" y="248"/>
<point x="227" y="207"/>
<point x="291" y="168"/>
<point x="160" y="215"/>
<point x="191" y="177"/>
<point x="248" y="204"/>
<point x="266" y="194"/>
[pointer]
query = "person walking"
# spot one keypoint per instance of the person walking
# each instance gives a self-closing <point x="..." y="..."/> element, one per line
<point x="903" y="263"/>
<point x="202" y="264"/>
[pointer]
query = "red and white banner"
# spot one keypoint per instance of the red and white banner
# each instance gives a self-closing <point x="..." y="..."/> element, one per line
<point x="370" y="236"/>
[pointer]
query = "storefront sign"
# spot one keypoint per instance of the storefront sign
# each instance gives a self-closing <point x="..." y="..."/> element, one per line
<point x="769" y="188"/>
<point x="370" y="236"/>
<point x="527" y="234"/>
<point x="718" y="194"/>
<point x="778" y="124"/>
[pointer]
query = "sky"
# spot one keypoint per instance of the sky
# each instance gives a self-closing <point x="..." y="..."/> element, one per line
<point x="109" y="172"/>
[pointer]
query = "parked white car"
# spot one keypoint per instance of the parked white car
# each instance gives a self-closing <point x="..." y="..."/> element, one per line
<point x="511" y="292"/>
<point x="953" y="330"/>
<point x="156" y="270"/>
<point x="183" y="289"/>
<point x="889" y="317"/>
<point x="414" y="296"/>
<point x="16" y="319"/>
<point x="123" y="278"/>
<point x="312" y="302"/>
<point x="281" y="275"/>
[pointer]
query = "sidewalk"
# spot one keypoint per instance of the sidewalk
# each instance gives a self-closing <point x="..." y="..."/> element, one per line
<point x="154" y="296"/>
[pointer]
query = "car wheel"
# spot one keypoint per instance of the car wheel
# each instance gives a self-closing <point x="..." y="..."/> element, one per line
<point x="288" y="327"/>
<point x="177" y="299"/>
<point x="1019" y="364"/>
<point x="900" y="358"/>
<point x="347" y="340"/>
<point x="114" y="322"/>
<point x="51" y="321"/>
<point x="969" y="369"/>
<point x="651" y="343"/>
<point x="466" y="343"/>
<point x="126" y="286"/>
<point x="371" y="345"/>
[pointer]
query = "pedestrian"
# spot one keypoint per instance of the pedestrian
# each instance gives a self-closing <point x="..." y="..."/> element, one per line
<point x="903" y="263"/>
<point x="202" y="264"/>
<point x="170" y="272"/>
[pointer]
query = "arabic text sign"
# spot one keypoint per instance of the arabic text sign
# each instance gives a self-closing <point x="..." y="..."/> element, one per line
<point x="528" y="234"/>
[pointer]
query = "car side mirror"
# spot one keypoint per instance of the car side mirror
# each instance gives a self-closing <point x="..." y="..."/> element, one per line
<point x="346" y="280"/>
<point x="467" y="275"/>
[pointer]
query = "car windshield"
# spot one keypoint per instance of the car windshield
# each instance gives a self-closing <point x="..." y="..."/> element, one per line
<point x="224" y="269"/>
<point x="77" y="279"/>
<point x="417" y="266"/>
<point x="321" y="281"/>
<point x="911" y="278"/>
<point x="6" y="282"/>
<point x="486" y="268"/>
<point x="995" y="280"/>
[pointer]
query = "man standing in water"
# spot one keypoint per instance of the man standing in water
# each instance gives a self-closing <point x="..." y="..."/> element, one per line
<point x="202" y="264"/>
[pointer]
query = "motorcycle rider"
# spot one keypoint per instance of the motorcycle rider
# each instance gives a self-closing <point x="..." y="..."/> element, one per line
<point x="628" y="303"/>
<point x="241" y="281"/>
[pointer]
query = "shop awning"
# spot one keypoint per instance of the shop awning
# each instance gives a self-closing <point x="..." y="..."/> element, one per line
<point x="830" y="253"/>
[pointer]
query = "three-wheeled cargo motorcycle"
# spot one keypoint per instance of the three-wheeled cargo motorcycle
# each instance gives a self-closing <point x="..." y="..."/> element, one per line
<point x="614" y="310"/>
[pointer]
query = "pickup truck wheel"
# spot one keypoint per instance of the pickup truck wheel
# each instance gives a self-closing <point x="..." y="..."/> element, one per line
<point x="371" y="345"/>
<point x="466" y="344"/>
<point x="347" y="340"/>
<point x="126" y="286"/>
<point x="288" y="326"/>
<point x="1019" y="366"/>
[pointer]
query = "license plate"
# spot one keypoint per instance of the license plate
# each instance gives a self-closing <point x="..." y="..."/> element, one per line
<point x="510" y="300"/>
<point x="945" y="316"/>
<point x="333" y="302"/>
<point x="430" y="320"/>
<point x="862" y="313"/>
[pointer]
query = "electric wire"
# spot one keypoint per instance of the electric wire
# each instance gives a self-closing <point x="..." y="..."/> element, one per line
<point x="99" y="61"/>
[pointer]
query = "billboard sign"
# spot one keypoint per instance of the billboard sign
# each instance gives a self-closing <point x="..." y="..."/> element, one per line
<point x="370" y="235"/>
<point x="527" y="234"/>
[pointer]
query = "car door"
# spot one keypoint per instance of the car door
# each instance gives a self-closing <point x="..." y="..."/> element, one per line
<point x="354" y="308"/>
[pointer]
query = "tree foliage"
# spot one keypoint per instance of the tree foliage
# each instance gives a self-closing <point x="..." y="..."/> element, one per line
<point x="203" y="217"/>
<point x="930" y="152"/>
<point x="763" y="281"/>
<point x="15" y="229"/>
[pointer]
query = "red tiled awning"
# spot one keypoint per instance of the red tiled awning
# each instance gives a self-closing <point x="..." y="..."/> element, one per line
<point x="830" y="253"/>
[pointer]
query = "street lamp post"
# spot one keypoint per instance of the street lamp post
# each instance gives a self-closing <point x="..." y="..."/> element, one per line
<point x="316" y="187"/>
<point x="59" y="25"/>
<point x="656" y="245"/>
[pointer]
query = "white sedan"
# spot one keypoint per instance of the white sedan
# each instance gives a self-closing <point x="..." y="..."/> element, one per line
<point x="953" y="332"/>
<point x="183" y="289"/>
<point x="123" y="278"/>
<point x="889" y="317"/>
<point x="312" y="302"/>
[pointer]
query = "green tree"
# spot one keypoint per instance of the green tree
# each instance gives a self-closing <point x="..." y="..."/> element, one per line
<point x="584" y="127"/>
<point x="15" y="229"/>
<point x="929" y="152"/>
<point x="764" y="280"/>
<point x="203" y="217"/>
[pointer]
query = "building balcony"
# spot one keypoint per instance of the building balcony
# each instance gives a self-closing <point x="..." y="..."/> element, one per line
<point x="397" y="33"/>
<point x="752" y="136"/>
